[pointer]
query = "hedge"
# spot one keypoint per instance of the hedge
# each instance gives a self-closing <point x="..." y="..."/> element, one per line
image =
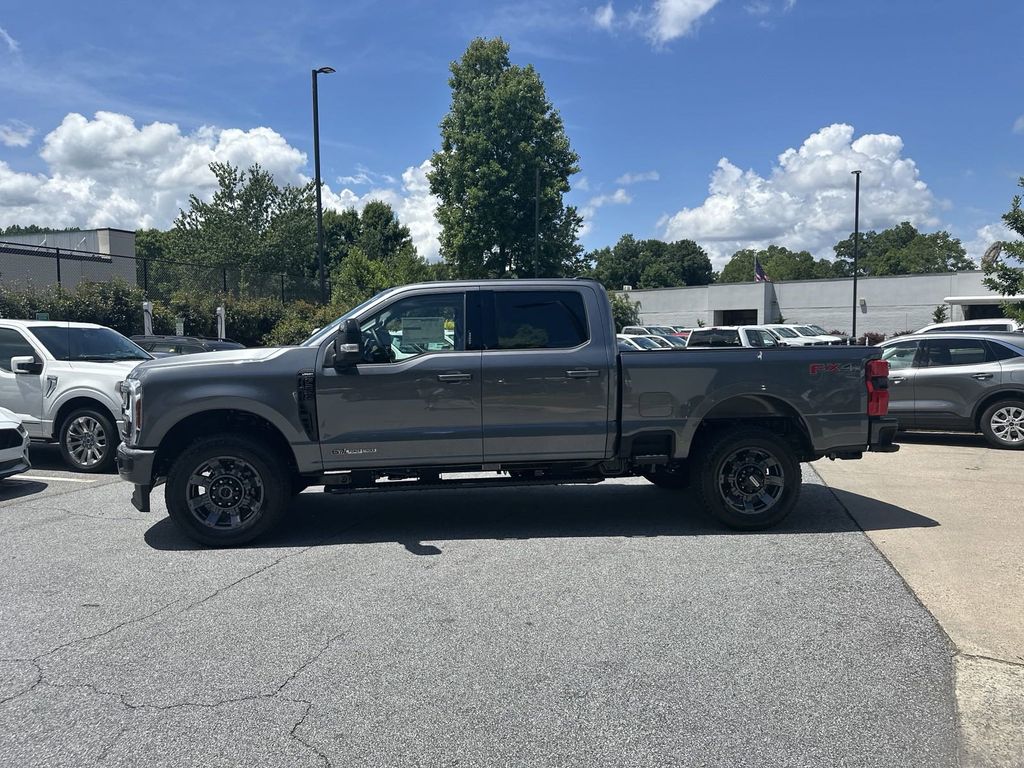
<point x="118" y="305"/>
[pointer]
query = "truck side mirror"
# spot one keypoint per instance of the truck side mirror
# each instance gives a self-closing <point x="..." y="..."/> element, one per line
<point x="348" y="344"/>
<point x="26" y="364"/>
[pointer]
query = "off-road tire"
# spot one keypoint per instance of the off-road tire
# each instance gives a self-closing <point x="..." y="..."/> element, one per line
<point x="245" y="491"/>
<point x="749" y="466"/>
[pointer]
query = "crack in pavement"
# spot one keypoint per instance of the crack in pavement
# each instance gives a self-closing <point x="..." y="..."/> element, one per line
<point x="122" y="699"/>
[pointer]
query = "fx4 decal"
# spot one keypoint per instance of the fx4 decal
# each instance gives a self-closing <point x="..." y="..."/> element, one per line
<point x="815" y="368"/>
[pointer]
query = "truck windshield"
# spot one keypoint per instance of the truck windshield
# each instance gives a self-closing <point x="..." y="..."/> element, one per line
<point x="93" y="344"/>
<point x="805" y="331"/>
<point x="786" y="332"/>
<point x="322" y="333"/>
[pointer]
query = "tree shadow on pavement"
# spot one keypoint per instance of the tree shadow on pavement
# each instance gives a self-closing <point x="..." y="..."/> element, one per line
<point x="637" y="510"/>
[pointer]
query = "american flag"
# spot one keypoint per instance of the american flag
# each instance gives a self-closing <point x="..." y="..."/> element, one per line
<point x="759" y="274"/>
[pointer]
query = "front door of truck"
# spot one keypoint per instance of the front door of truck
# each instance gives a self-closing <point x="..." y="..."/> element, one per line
<point x="415" y="397"/>
<point x="546" y="377"/>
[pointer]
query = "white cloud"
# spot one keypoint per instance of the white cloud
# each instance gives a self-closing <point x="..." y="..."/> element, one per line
<point x="582" y="184"/>
<point x="588" y="211"/>
<point x="807" y="201"/>
<point x="1018" y="125"/>
<point x="636" y="178"/>
<point x="672" y="19"/>
<point x="12" y="44"/>
<point x="604" y="16"/>
<point x="15" y="133"/>
<point x="364" y="175"/>
<point x="109" y="172"/>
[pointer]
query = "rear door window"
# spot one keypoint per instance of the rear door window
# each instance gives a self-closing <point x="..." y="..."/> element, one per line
<point x="539" y="320"/>
<point x="944" y="352"/>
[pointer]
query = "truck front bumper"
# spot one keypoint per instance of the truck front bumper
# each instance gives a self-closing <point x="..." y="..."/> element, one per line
<point x="136" y="466"/>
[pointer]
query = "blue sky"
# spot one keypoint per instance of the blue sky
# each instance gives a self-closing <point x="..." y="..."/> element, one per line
<point x="928" y="103"/>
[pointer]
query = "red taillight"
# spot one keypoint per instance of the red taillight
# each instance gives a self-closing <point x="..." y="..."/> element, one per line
<point x="877" y="378"/>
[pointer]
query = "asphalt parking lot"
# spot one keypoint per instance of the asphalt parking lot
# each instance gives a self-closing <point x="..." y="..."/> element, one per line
<point x="546" y="626"/>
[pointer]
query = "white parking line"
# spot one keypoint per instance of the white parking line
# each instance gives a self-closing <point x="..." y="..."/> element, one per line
<point x="60" y="479"/>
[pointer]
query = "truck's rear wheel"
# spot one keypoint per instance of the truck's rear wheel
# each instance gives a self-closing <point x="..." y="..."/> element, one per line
<point x="749" y="479"/>
<point x="225" y="491"/>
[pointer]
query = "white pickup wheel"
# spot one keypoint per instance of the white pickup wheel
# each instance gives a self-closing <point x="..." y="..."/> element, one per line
<point x="748" y="478"/>
<point x="88" y="440"/>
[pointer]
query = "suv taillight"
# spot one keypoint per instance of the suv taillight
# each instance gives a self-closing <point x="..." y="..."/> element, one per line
<point x="877" y="378"/>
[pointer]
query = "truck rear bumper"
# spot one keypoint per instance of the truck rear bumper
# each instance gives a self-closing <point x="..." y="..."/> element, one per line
<point x="136" y="466"/>
<point x="883" y="433"/>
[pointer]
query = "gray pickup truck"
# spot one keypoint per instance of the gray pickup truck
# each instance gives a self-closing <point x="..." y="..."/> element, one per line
<point x="426" y="384"/>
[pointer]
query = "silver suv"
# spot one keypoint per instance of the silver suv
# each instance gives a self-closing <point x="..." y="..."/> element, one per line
<point x="960" y="382"/>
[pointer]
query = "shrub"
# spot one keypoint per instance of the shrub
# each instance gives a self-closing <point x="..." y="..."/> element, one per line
<point x="871" y="338"/>
<point x="299" y="321"/>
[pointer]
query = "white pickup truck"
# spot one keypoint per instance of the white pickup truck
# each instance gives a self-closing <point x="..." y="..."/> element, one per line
<point x="63" y="380"/>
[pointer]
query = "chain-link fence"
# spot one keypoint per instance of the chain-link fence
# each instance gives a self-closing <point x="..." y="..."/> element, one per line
<point x="23" y="265"/>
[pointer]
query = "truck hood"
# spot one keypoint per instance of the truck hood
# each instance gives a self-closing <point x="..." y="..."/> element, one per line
<point x="230" y="357"/>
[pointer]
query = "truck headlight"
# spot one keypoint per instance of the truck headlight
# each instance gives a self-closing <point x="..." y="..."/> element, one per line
<point x="131" y="409"/>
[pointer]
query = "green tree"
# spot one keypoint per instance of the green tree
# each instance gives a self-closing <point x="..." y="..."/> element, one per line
<point x="380" y="254"/>
<point x="500" y="132"/>
<point x="251" y="223"/>
<point x="902" y="250"/>
<point x="624" y="310"/>
<point x="1003" y="262"/>
<point x="651" y="264"/>
<point x="779" y="264"/>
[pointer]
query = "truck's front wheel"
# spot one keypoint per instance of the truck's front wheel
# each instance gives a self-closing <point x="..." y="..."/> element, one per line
<point x="225" y="491"/>
<point x="749" y="478"/>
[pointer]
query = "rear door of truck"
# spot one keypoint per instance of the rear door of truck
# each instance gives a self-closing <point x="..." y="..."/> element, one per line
<point x="547" y="374"/>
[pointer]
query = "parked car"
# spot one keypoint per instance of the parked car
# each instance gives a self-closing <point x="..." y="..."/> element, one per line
<point x="164" y="346"/>
<point x="14" y="442"/>
<point x="668" y="342"/>
<point x="535" y="386"/>
<point x="959" y="382"/>
<point x="635" y="342"/>
<point x="975" y="326"/>
<point x="795" y="338"/>
<point x="730" y="336"/>
<point x="681" y="332"/>
<point x="823" y="333"/>
<point x="62" y="380"/>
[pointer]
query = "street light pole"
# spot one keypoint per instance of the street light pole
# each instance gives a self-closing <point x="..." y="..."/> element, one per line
<point x="316" y="171"/>
<point x="856" y="244"/>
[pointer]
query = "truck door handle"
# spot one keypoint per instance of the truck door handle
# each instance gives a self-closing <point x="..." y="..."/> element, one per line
<point x="584" y="374"/>
<point x="454" y="376"/>
<point x="896" y="379"/>
<point x="981" y="376"/>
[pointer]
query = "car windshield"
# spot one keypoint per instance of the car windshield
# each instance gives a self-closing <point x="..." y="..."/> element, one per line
<point x="803" y="330"/>
<point x="661" y="329"/>
<point x="643" y="343"/>
<point x="818" y="329"/>
<point x="93" y="344"/>
<point x="675" y="341"/>
<point x="789" y="334"/>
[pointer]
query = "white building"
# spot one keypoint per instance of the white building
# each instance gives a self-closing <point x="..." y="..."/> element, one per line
<point x="89" y="254"/>
<point x="884" y="304"/>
